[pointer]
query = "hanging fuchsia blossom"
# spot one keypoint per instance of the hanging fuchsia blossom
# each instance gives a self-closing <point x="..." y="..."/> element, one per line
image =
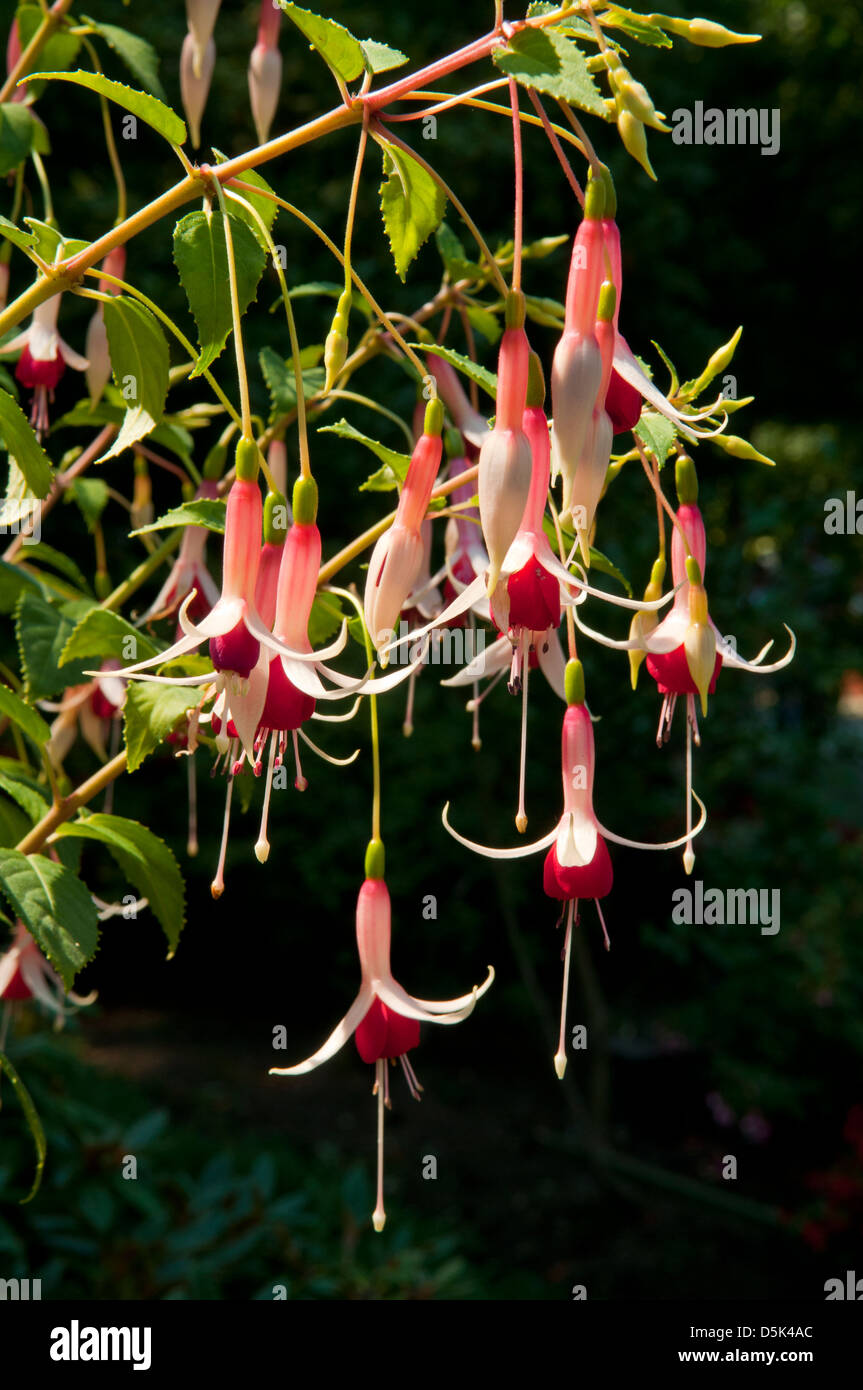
<point x="98" y="354"/>
<point x="504" y="459"/>
<point x="577" y="864"/>
<point x="196" y="74"/>
<point x="201" y="16"/>
<point x="44" y="358"/>
<point x="384" y="1018"/>
<point x="189" y="576"/>
<point x="265" y="70"/>
<point x="26" y="974"/>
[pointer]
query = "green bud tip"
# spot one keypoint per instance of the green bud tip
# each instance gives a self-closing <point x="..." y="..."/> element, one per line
<point x="610" y="210"/>
<point x="657" y="574"/>
<point x="343" y="308"/>
<point x="433" y="423"/>
<point x="214" y="463"/>
<point x="535" y="382"/>
<point x="247" y="460"/>
<point x="573" y="682"/>
<point x="305" y="501"/>
<point x="594" y="198"/>
<point x="515" y="309"/>
<point x="686" y="480"/>
<point x="375" y="859"/>
<point x="607" y="302"/>
<point x="453" y="443"/>
<point x="275" y="518"/>
<point x="693" y="570"/>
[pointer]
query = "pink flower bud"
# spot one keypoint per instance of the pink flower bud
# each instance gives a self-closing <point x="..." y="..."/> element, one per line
<point x="114" y="264"/>
<point x="242" y="547"/>
<point x="505" y="462"/>
<point x="98" y="356"/>
<point x="195" y="86"/>
<point x="265" y="78"/>
<point x="201" y="17"/>
<point x="4" y="284"/>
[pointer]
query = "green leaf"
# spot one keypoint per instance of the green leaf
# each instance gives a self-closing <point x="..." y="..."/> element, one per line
<point x="455" y="259"/>
<point x="28" y="720"/>
<point x="47" y="238"/>
<point x="201" y="257"/>
<point x="484" y="322"/>
<point x="281" y="382"/>
<point x="336" y="45"/>
<point x="656" y="434"/>
<point x="481" y="375"/>
<point x="18" y="237"/>
<point x="12" y="580"/>
<point x="204" y="511"/>
<point x="146" y="860"/>
<point x="146" y="108"/>
<point x="412" y="204"/>
<point x="59" y="52"/>
<point x="396" y="465"/>
<point x="325" y="619"/>
<point x="43" y="629"/>
<point x="55" y="907"/>
<point x="150" y="713"/>
<point x="30" y="798"/>
<point x="140" y="57"/>
<point x="14" y="825"/>
<point x="551" y="63"/>
<point x="637" y="26"/>
<point x="22" y="443"/>
<point x="34" y="1124"/>
<point x="101" y="635"/>
<point x="140" y="363"/>
<point x="601" y="562"/>
<point x="380" y="57"/>
<point x="90" y="496"/>
<point x="38" y="553"/>
<point x="20" y="132"/>
<point x="266" y="209"/>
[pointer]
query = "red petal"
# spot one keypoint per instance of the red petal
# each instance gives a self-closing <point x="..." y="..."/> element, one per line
<point x="32" y="373"/>
<point x="593" y="880"/>
<point x="384" y="1033"/>
<point x="622" y="404"/>
<point x="672" y="674"/>
<point x="17" y="987"/>
<point x="285" y="707"/>
<point x="534" y="598"/>
<point x="236" y="651"/>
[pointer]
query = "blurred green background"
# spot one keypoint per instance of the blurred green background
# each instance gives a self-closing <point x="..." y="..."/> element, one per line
<point x="704" y="1042"/>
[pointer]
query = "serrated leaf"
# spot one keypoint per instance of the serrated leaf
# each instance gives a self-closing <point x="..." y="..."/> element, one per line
<point x="38" y="553"/>
<point x="12" y="580"/>
<point x="55" y="907"/>
<point x="150" y="713"/>
<point x="22" y="443"/>
<point x="551" y="63"/>
<point x="140" y="364"/>
<point x="18" y="237"/>
<point x="281" y="382"/>
<point x="380" y="57"/>
<point x="481" y="375"/>
<point x="43" y="629"/>
<point x="34" y="1124"/>
<point x="412" y="205"/>
<point x="58" y="53"/>
<point x="325" y="619"/>
<point x="146" y="860"/>
<point x="456" y="262"/>
<point x="47" y="238"/>
<point x="23" y="716"/>
<point x="656" y="434"/>
<point x="266" y="209"/>
<point x="636" y="26"/>
<point x="101" y="635"/>
<point x="31" y="800"/>
<point x="396" y="463"/>
<point x="336" y="45"/>
<point x="148" y="109"/>
<point x="201" y="257"/>
<point x="208" y="512"/>
<point x="140" y="57"/>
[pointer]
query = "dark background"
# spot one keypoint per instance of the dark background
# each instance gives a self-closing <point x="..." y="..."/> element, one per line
<point x="704" y="1041"/>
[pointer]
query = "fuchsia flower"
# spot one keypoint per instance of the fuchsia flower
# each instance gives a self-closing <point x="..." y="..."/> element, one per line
<point x="504" y="458"/>
<point x="577" y="864"/>
<point x="384" y="1018"/>
<point x="265" y="70"/>
<point x="44" y="358"/>
<point x="201" y="16"/>
<point x="582" y="491"/>
<point x="26" y="974"/>
<point x="189" y="576"/>
<point x="397" y="558"/>
<point x="96" y="343"/>
<point x="196" y="74"/>
<point x="469" y="421"/>
<point x="90" y="708"/>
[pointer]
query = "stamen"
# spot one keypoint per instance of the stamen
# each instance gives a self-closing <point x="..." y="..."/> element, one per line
<point x="560" y="1055"/>
<point x="192" y="783"/>
<point x="410" y="1076"/>
<point x="521" y="817"/>
<point x="299" y="781"/>
<point x="688" y="853"/>
<point x="692" y="714"/>
<point x="514" y="683"/>
<point x="474" y="704"/>
<point x="379" y="1216"/>
<point x="262" y="848"/>
<point x="217" y="887"/>
<point x="604" y="928"/>
<point x="408" y="725"/>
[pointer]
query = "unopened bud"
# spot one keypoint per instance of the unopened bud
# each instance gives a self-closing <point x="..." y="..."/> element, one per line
<point x="265" y="81"/>
<point x="686" y="481"/>
<point x="433" y="419"/>
<point x="702" y="32"/>
<point x="214" y="463"/>
<point x="336" y="346"/>
<point x="98" y="356"/>
<point x="195" y="85"/>
<point x="201" y="18"/>
<point x="634" y="139"/>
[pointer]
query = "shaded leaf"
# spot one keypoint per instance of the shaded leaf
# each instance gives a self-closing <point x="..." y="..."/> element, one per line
<point x="55" y="907"/>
